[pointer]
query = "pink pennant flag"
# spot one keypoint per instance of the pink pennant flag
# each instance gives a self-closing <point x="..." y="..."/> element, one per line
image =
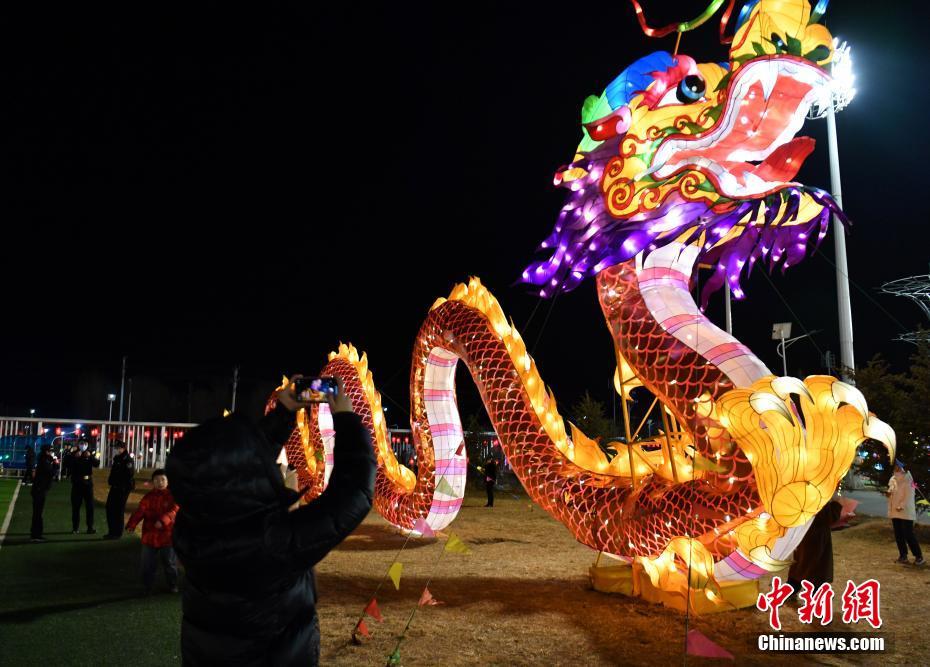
<point x="428" y="599"/>
<point x="847" y="512"/>
<point x="458" y="452"/>
<point x="423" y="528"/>
<point x="373" y="611"/>
<point x="698" y="644"/>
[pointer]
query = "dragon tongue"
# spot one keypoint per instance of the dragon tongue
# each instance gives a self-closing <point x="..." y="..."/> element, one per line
<point x="781" y="166"/>
<point x="785" y="161"/>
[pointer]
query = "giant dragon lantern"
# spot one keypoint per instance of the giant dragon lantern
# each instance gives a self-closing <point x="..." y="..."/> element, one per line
<point x="680" y="163"/>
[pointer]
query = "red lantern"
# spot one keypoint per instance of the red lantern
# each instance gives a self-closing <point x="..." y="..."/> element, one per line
<point x="57" y="430"/>
<point x="148" y="434"/>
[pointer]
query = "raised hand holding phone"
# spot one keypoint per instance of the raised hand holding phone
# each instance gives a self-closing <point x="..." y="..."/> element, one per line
<point x="338" y="401"/>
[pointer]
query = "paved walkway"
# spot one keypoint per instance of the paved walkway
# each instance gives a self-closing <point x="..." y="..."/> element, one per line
<point x="873" y="503"/>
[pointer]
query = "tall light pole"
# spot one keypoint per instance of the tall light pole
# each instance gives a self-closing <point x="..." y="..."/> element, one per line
<point x="122" y="387"/>
<point x="110" y="399"/>
<point x="837" y="96"/>
<point x="235" y="387"/>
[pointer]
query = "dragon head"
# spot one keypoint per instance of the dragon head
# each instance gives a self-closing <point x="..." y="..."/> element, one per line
<point x="699" y="153"/>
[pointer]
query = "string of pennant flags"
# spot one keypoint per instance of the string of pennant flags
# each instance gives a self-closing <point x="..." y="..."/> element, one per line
<point x="394" y="573"/>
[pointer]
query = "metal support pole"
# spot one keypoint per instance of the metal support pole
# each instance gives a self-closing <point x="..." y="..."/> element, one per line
<point x="122" y="385"/>
<point x="235" y="387"/>
<point x="668" y="443"/>
<point x="626" y="430"/>
<point x="645" y="417"/>
<point x="847" y="358"/>
<point x="728" y="307"/>
<point x="784" y="356"/>
<point x="104" y="442"/>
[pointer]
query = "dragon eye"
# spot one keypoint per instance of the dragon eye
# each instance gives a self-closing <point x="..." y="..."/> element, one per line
<point x="690" y="89"/>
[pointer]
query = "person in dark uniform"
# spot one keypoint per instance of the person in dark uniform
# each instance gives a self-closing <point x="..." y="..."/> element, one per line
<point x="68" y="456"/>
<point x="121" y="482"/>
<point x="82" y="488"/>
<point x="41" y="483"/>
<point x="30" y="464"/>
<point x="813" y="557"/>
<point x="490" y="479"/>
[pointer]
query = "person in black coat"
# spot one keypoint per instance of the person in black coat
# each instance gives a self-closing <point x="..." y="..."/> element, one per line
<point x="490" y="479"/>
<point x="813" y="557"/>
<point x="30" y="464"/>
<point x="122" y="482"/>
<point x="41" y="483"/>
<point x="82" y="488"/>
<point x="249" y="596"/>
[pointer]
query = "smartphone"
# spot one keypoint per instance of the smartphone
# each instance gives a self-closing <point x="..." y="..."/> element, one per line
<point x="315" y="389"/>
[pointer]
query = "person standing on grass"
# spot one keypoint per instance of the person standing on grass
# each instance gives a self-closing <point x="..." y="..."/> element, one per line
<point x="82" y="488"/>
<point x="903" y="512"/>
<point x="30" y="464"/>
<point x="250" y="596"/>
<point x="41" y="483"/>
<point x="122" y="482"/>
<point x="157" y="511"/>
<point x="490" y="479"/>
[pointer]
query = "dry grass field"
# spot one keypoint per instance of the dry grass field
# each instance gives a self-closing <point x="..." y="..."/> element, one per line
<point x="522" y="597"/>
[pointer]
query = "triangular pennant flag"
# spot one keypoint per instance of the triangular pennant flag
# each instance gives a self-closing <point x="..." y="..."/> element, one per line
<point x="361" y="628"/>
<point x="394" y="573"/>
<point x="701" y="463"/>
<point x="423" y="528"/>
<point x="444" y="487"/>
<point x="373" y="611"/>
<point x="428" y="599"/>
<point x="458" y="452"/>
<point x="698" y="644"/>
<point x="394" y="658"/>
<point x="456" y="545"/>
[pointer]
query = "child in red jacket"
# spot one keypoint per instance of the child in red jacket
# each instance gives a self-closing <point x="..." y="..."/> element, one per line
<point x="157" y="510"/>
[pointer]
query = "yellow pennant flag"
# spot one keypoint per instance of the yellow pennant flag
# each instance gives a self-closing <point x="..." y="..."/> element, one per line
<point x="701" y="463"/>
<point x="455" y="545"/>
<point x="394" y="573"/>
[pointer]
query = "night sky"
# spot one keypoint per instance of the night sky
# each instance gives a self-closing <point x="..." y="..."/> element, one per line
<point x="200" y="190"/>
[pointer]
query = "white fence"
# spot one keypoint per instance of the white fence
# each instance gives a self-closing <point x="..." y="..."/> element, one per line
<point x="149" y="442"/>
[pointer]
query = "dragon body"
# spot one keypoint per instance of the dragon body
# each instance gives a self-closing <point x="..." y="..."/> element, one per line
<point x="680" y="163"/>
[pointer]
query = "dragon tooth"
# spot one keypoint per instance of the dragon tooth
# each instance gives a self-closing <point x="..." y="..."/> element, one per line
<point x="754" y="184"/>
<point x="767" y="77"/>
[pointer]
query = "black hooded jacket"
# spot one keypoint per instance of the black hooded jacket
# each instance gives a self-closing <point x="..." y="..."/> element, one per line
<point x="42" y="481"/>
<point x="250" y="597"/>
<point x="122" y="474"/>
